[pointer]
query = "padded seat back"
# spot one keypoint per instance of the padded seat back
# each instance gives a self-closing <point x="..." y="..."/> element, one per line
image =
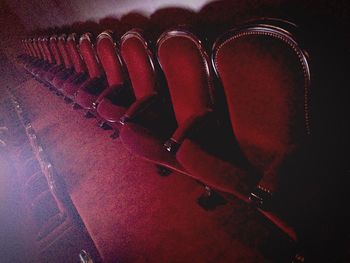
<point x="87" y="51"/>
<point x="110" y="59"/>
<point x="37" y="49"/>
<point x="139" y="61"/>
<point x="31" y="48"/>
<point x="266" y="80"/>
<point x="26" y="47"/>
<point x="47" y="51"/>
<point x="55" y="51"/>
<point x="63" y="50"/>
<point x="41" y="49"/>
<point x="187" y="70"/>
<point x="78" y="63"/>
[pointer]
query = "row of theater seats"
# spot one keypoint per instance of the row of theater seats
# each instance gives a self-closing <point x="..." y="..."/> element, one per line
<point x="234" y="118"/>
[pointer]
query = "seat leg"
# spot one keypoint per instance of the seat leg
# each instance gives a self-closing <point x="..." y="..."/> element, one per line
<point x="210" y="199"/>
<point x="88" y="115"/>
<point x="75" y="106"/>
<point x="163" y="171"/>
<point x="67" y="100"/>
<point x="115" y="134"/>
<point x="104" y="125"/>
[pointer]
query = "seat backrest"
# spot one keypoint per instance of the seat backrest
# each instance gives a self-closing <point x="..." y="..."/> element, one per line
<point x="139" y="60"/>
<point x="31" y="48"/>
<point x="109" y="57"/>
<point x="36" y="48"/>
<point x="28" y="47"/>
<point x="186" y="66"/>
<point x="54" y="49"/>
<point x="266" y="79"/>
<point x="61" y="44"/>
<point x="42" y="49"/>
<point x="47" y="51"/>
<point x="88" y="53"/>
<point x="73" y="51"/>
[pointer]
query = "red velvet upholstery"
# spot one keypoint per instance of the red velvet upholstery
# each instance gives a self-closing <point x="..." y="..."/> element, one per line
<point x="41" y="49"/>
<point x="63" y="51"/>
<point x="28" y="44"/>
<point x="89" y="56"/>
<point x="88" y="93"/>
<point x="138" y="60"/>
<point x="185" y="65"/>
<point x="78" y="63"/>
<point x="37" y="66"/>
<point x="72" y="84"/>
<point x="110" y="111"/>
<point x="109" y="58"/>
<point x="265" y="78"/>
<point x="55" y="51"/>
<point x="188" y="74"/>
<point x="37" y="49"/>
<point x="61" y="77"/>
<point x="49" y="56"/>
<point x="108" y="54"/>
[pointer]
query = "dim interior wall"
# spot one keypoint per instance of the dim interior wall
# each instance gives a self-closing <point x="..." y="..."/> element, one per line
<point x="11" y="33"/>
<point x="43" y="14"/>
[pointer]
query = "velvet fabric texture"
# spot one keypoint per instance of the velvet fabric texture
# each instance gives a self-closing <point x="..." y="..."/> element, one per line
<point x="46" y="46"/>
<point x="187" y="71"/>
<point x="78" y="63"/>
<point x="138" y="60"/>
<point x="110" y="111"/>
<point x="61" y="44"/>
<point x="265" y="81"/>
<point x="108" y="55"/>
<point x="55" y="51"/>
<point x="264" y="77"/>
<point x="88" y="92"/>
<point x="89" y="56"/>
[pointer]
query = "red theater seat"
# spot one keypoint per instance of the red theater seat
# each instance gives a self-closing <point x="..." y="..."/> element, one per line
<point x="88" y="93"/>
<point x="33" y="56"/>
<point x="49" y="59"/>
<point x="114" y="100"/>
<point x="59" y="66"/>
<point x="38" y="64"/>
<point x="186" y="68"/>
<point x="265" y="77"/>
<point x="63" y="75"/>
<point x="79" y="76"/>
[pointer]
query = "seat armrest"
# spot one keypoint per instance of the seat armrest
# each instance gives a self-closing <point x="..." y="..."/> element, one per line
<point x="261" y="197"/>
<point x="190" y="124"/>
<point x="138" y="106"/>
<point x="94" y="86"/>
<point x="182" y="132"/>
<point x="105" y="92"/>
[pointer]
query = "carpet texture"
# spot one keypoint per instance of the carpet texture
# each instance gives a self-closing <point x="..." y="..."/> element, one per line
<point x="131" y="213"/>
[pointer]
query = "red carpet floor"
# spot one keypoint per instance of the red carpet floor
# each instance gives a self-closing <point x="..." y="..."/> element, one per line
<point x="131" y="213"/>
